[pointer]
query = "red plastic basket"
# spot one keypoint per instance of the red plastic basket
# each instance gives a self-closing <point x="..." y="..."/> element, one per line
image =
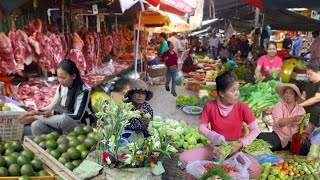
<point x="282" y="54"/>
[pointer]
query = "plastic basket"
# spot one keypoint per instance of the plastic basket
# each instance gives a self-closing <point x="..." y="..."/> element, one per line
<point x="10" y="128"/>
<point x="157" y="70"/>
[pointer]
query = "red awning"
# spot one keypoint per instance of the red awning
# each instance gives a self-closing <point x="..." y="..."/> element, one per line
<point x="179" y="7"/>
<point x="256" y="3"/>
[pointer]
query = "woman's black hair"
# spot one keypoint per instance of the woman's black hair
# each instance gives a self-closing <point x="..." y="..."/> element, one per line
<point x="224" y="80"/>
<point x="169" y="42"/>
<point x="71" y="68"/>
<point x="163" y="35"/>
<point x="272" y="43"/>
<point x="314" y="66"/>
<point x="224" y="60"/>
<point x="120" y="84"/>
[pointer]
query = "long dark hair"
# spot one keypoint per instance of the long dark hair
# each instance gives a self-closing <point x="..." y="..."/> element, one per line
<point x="71" y="68"/>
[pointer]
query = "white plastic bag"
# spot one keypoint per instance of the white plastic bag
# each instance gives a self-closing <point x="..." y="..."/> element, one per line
<point x="196" y="169"/>
<point x="242" y="163"/>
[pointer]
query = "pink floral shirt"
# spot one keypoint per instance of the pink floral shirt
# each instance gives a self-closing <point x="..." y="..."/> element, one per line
<point x="280" y="111"/>
<point x="267" y="65"/>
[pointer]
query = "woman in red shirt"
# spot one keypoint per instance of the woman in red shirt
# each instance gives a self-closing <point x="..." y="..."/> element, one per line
<point x="226" y="116"/>
<point x="171" y="60"/>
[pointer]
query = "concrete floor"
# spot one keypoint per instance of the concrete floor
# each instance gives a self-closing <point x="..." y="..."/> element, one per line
<point x="164" y="104"/>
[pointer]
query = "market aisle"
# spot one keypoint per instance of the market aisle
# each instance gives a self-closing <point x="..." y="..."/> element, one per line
<point x="164" y="104"/>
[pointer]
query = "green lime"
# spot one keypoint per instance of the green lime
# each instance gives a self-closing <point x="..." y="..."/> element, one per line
<point x="42" y="173"/>
<point x="87" y="129"/>
<point x="14" y="170"/>
<point x="84" y="154"/>
<point x="62" y="140"/>
<point x="15" y="154"/>
<point x="63" y="160"/>
<point x="2" y="149"/>
<point x="55" y="154"/>
<point x="17" y="146"/>
<point x="81" y="147"/>
<point x="73" y="153"/>
<point x="4" y="171"/>
<point x="29" y="154"/>
<point x="69" y="165"/>
<point x="51" y="144"/>
<point x="36" y="164"/>
<point x="89" y="142"/>
<point x="10" y="160"/>
<point x="93" y="135"/>
<point x="81" y="138"/>
<point x="7" y="145"/>
<point x="42" y="144"/>
<point x="74" y="143"/>
<point x="2" y="161"/>
<point x="76" y="163"/>
<point x="22" y="160"/>
<point x="27" y="170"/>
<point x="8" y="152"/>
<point x="78" y="131"/>
<point x="38" y="139"/>
<point x="65" y="154"/>
<point x="62" y="148"/>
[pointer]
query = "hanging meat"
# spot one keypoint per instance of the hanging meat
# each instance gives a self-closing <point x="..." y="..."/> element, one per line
<point x="21" y="48"/>
<point x="107" y="44"/>
<point x="116" y="42"/>
<point x="76" y="54"/>
<point x="97" y="42"/>
<point x="88" y="50"/>
<point x="42" y="46"/>
<point x="7" y="61"/>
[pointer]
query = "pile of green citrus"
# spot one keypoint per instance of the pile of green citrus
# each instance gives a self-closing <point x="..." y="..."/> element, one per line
<point x="69" y="149"/>
<point x="15" y="161"/>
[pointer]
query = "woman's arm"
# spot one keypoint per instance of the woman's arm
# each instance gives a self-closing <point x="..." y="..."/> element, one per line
<point x="311" y="101"/>
<point x="55" y="99"/>
<point x="257" y="72"/>
<point x="254" y="131"/>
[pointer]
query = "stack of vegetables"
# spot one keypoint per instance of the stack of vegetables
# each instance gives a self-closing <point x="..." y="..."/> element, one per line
<point x="260" y="96"/>
<point x="257" y="147"/>
<point x="294" y="168"/>
<point x="181" y="134"/>
<point x="215" y="171"/>
<point x="314" y="153"/>
<point x="241" y="71"/>
<point x="220" y="153"/>
<point x="186" y="100"/>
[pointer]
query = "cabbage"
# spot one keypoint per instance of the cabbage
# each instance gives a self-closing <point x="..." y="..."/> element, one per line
<point x="313" y="153"/>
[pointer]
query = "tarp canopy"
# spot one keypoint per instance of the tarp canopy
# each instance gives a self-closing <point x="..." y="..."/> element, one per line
<point x="282" y="4"/>
<point x="288" y="20"/>
<point x="10" y="5"/>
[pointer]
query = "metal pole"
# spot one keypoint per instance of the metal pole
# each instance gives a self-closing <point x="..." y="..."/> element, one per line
<point x="137" y="48"/>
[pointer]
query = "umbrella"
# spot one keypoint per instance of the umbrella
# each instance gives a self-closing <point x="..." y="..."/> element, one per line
<point x="282" y="4"/>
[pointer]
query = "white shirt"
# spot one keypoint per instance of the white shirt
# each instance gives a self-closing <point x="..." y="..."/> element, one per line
<point x="214" y="42"/>
<point x="176" y="44"/>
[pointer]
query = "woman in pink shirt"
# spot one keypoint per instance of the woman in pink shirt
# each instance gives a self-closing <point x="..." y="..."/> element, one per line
<point x="287" y="116"/>
<point x="225" y="116"/>
<point x="268" y="62"/>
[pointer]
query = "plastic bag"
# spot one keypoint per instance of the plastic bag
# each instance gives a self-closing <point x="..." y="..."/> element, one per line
<point x="269" y="158"/>
<point x="242" y="167"/>
<point x="196" y="169"/>
<point x="179" y="79"/>
<point x="315" y="137"/>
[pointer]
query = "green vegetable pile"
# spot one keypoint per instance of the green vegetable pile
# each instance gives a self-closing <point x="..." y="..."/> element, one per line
<point x="204" y="100"/>
<point x="241" y="71"/>
<point x="194" y="110"/>
<point x="220" y="153"/>
<point x="258" y="146"/>
<point x="185" y="100"/>
<point x="260" y="96"/>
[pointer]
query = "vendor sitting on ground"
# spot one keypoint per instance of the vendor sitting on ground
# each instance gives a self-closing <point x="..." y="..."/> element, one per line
<point x="188" y="65"/>
<point x="225" y="116"/>
<point x="228" y="62"/>
<point x="287" y="116"/>
<point x="120" y="88"/>
<point x="138" y="95"/>
<point x="68" y="108"/>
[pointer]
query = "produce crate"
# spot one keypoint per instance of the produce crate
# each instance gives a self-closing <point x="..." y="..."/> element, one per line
<point x="157" y="70"/>
<point x="50" y="161"/>
<point x="10" y="128"/>
<point x="51" y="176"/>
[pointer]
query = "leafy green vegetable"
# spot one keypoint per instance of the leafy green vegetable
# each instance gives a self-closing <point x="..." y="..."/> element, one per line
<point x="204" y="100"/>
<point x="241" y="71"/>
<point x="258" y="145"/>
<point x="194" y="110"/>
<point x="260" y="96"/>
<point x="185" y="100"/>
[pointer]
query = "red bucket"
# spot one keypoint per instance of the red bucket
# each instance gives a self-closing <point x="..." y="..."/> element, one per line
<point x="282" y="54"/>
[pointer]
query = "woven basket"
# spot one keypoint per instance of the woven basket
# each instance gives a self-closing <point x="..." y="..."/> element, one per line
<point x="157" y="71"/>
<point x="173" y="171"/>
